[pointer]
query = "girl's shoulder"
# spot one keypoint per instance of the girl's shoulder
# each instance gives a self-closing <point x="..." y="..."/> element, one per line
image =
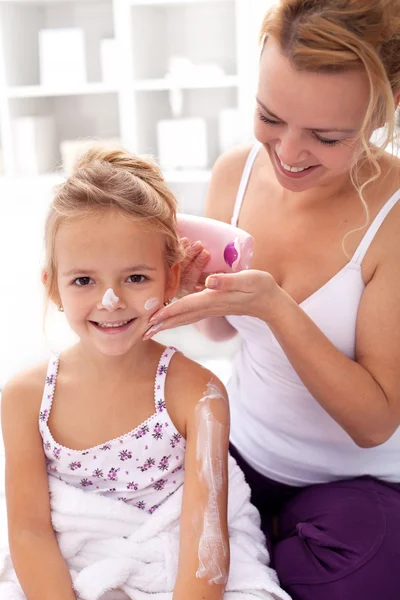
<point x="25" y="390"/>
<point x="187" y="384"/>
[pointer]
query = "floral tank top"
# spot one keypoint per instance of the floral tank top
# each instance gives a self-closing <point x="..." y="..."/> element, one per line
<point x="142" y="467"/>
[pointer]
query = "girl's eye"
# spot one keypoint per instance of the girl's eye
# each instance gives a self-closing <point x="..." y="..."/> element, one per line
<point x="266" y="120"/>
<point x="137" y="278"/>
<point x="82" y="281"/>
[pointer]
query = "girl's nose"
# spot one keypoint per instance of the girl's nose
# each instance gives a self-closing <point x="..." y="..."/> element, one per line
<point x="110" y="301"/>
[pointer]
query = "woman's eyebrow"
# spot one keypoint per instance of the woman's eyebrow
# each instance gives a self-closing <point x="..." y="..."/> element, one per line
<point x="317" y="129"/>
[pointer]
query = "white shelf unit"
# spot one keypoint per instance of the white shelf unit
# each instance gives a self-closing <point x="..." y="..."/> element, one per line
<point x="148" y="34"/>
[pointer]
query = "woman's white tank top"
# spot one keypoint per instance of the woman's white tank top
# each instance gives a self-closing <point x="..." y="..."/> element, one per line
<point x="277" y="425"/>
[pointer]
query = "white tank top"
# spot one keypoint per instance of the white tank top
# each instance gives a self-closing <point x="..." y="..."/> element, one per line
<point x="277" y="425"/>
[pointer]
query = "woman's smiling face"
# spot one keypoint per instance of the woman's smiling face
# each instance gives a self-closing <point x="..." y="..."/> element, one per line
<point x="308" y="120"/>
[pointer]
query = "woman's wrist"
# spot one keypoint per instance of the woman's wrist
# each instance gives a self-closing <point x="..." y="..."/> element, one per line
<point x="273" y="301"/>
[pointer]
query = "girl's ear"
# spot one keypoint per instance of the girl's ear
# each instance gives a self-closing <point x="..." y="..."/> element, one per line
<point x="53" y="297"/>
<point x="172" y="285"/>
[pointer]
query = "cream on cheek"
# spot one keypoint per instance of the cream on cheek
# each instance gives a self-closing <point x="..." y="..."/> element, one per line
<point x="210" y="453"/>
<point x="109" y="299"/>
<point x="152" y="304"/>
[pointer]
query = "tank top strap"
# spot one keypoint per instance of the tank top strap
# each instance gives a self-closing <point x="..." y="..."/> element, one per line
<point x="49" y="388"/>
<point x="244" y="182"/>
<point x="159" y="383"/>
<point x="374" y="227"/>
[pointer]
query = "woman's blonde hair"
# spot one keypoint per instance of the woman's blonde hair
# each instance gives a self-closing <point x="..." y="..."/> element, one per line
<point x="332" y="36"/>
<point x="107" y="179"/>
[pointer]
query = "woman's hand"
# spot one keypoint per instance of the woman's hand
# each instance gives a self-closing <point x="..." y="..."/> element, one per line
<point x="252" y="293"/>
<point x="192" y="267"/>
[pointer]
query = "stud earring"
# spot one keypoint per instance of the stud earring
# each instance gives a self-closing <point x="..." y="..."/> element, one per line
<point x="167" y="301"/>
<point x="60" y="308"/>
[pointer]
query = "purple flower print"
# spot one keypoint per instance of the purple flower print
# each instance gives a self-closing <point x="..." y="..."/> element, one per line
<point x="122" y="498"/>
<point x="50" y="379"/>
<point x="177" y="469"/>
<point x="113" y="474"/>
<point x="140" y="504"/>
<point x="141" y="431"/>
<point x="162" y="370"/>
<point x="125" y="455"/>
<point x="74" y="465"/>
<point x="160" y="484"/>
<point x="57" y="453"/>
<point x="97" y="473"/>
<point x="47" y="446"/>
<point x="150" y="462"/>
<point x="176" y="438"/>
<point x="86" y="482"/>
<point x="106" y="447"/>
<point x="53" y="469"/>
<point x="161" y="405"/>
<point x="86" y="452"/>
<point x="157" y="431"/>
<point x="132" y="486"/>
<point x="164" y="463"/>
<point x="153" y="508"/>
<point x="112" y="490"/>
<point x="43" y="415"/>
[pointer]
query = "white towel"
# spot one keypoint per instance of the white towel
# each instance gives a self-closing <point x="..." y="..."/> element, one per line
<point x="109" y="545"/>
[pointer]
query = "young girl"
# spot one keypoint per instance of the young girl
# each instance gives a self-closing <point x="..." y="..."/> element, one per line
<point x="119" y="418"/>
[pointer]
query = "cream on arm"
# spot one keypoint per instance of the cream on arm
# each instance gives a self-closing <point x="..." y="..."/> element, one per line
<point x="204" y="543"/>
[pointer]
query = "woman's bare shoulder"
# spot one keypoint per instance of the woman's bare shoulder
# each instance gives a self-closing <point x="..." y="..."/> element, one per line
<point x="225" y="180"/>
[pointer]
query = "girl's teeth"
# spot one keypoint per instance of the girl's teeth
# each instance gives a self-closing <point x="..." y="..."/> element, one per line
<point x="292" y="169"/>
<point x="109" y="325"/>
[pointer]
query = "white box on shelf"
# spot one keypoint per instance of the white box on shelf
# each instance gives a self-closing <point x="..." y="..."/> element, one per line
<point x="109" y="59"/>
<point x="34" y="144"/>
<point x="62" y="56"/>
<point x="182" y="143"/>
<point x="230" y="129"/>
<point x="71" y="150"/>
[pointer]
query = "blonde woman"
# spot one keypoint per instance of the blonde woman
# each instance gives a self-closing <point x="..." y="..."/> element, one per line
<point x="315" y="391"/>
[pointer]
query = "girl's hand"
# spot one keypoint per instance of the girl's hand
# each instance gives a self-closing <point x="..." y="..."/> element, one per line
<point x="252" y="293"/>
<point x="192" y="267"/>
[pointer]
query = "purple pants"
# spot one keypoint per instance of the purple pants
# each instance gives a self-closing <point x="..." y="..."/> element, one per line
<point x="334" y="541"/>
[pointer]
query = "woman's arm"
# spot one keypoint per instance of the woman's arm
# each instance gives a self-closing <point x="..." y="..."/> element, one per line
<point x="38" y="563"/>
<point x="362" y="395"/>
<point x="204" y="544"/>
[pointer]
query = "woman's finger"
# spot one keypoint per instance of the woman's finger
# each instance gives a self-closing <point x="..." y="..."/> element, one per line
<point x="173" y="322"/>
<point x="188" y="304"/>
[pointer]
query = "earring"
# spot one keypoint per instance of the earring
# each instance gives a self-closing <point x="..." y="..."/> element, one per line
<point x="167" y="301"/>
<point x="60" y="308"/>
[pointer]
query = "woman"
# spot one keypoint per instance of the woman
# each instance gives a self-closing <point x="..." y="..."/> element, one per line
<point x="314" y="394"/>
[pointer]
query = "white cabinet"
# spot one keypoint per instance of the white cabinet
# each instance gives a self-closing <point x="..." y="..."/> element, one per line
<point x="144" y="61"/>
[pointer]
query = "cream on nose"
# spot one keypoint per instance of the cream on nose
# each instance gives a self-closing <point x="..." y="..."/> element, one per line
<point x="110" y="299"/>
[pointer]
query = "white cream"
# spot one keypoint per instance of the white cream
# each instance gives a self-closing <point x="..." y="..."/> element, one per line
<point x="109" y="299"/>
<point x="152" y="303"/>
<point x="210" y="454"/>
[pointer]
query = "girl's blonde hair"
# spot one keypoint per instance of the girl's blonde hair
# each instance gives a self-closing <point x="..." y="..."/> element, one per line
<point x="333" y="36"/>
<point x="104" y="180"/>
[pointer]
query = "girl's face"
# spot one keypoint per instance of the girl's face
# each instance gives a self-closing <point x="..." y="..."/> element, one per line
<point x="97" y="253"/>
<point x="308" y="120"/>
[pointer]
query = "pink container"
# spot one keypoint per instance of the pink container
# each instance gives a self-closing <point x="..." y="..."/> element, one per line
<point x="231" y="248"/>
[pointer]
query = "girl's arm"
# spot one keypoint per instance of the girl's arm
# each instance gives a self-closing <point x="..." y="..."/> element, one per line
<point x="204" y="544"/>
<point x="38" y="563"/>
